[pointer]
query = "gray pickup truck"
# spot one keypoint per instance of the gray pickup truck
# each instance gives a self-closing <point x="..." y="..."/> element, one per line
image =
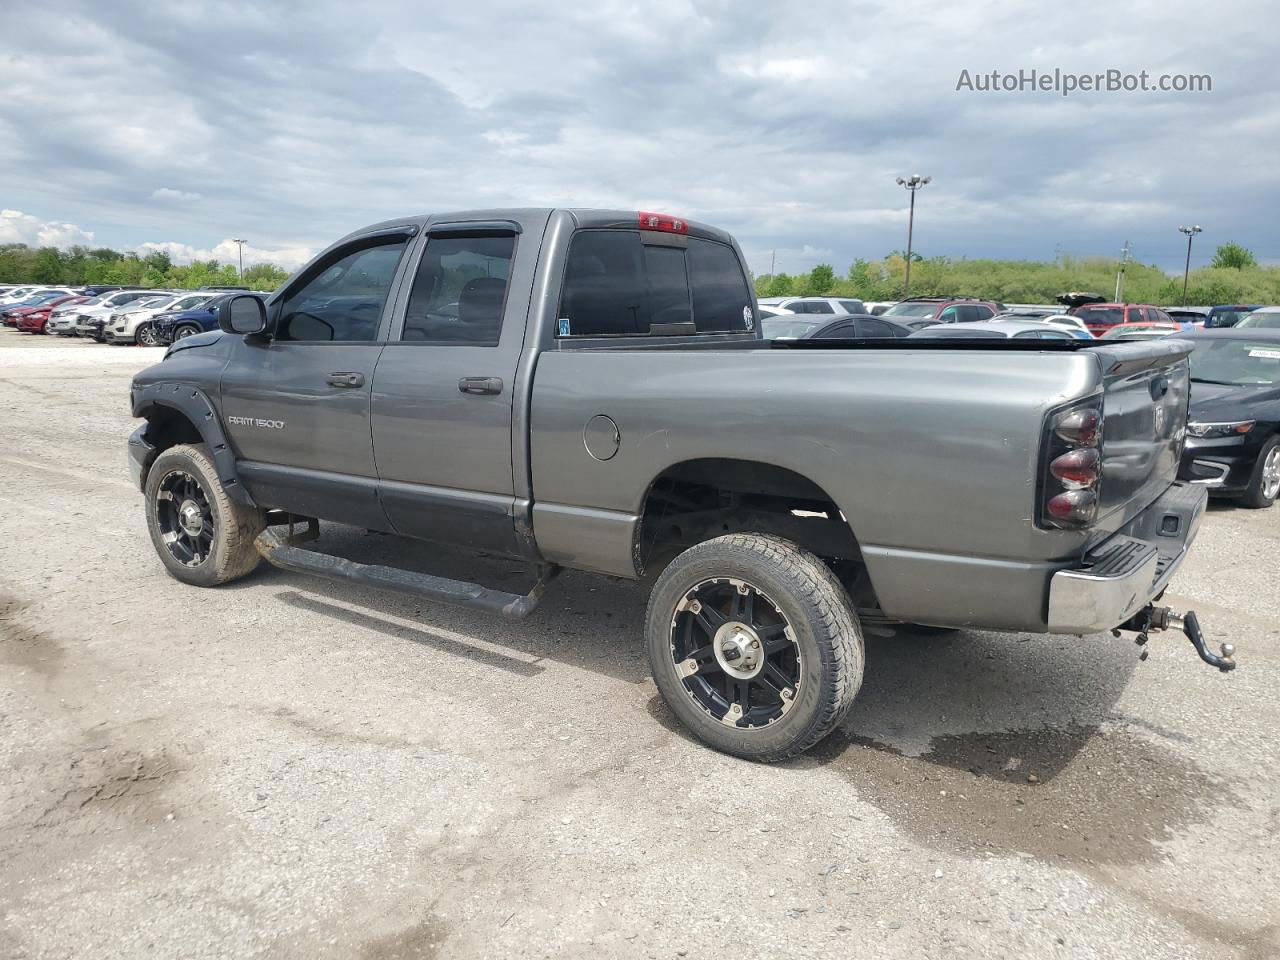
<point x="588" y="389"/>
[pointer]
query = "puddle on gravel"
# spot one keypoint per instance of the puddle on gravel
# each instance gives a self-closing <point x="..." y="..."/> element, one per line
<point x="421" y="941"/>
<point x="21" y="646"/>
<point x="1077" y="794"/>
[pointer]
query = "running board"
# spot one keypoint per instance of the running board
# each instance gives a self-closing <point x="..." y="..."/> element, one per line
<point x="280" y="552"/>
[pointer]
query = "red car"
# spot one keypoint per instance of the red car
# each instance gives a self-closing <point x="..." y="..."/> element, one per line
<point x="1101" y="317"/>
<point x="33" y="319"/>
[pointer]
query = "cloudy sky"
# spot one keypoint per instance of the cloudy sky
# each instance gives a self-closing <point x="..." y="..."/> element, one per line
<point x="178" y="126"/>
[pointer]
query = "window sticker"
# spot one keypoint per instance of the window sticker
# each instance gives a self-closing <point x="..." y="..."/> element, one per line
<point x="747" y="318"/>
<point x="564" y="326"/>
<point x="1265" y="354"/>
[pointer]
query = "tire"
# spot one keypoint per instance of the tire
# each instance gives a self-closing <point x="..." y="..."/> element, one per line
<point x="1264" y="483"/>
<point x="223" y="548"/>
<point x="809" y="638"/>
<point x="146" y="336"/>
<point x="184" y="330"/>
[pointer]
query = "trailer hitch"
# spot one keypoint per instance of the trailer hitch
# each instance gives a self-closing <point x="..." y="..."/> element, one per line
<point x="1153" y="618"/>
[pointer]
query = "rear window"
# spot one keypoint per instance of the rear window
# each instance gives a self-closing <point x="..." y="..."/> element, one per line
<point x="617" y="285"/>
<point x="1101" y="316"/>
<point x="911" y="310"/>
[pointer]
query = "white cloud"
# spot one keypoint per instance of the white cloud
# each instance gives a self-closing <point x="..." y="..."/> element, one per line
<point x="169" y="195"/>
<point x="290" y="258"/>
<point x="19" y="227"/>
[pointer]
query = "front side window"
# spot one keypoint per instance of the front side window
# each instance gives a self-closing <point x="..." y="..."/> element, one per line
<point x="460" y="290"/>
<point x="343" y="302"/>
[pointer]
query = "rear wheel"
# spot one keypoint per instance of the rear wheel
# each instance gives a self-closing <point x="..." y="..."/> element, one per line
<point x="1264" y="485"/>
<point x="201" y="535"/>
<point x="184" y="330"/>
<point x="754" y="645"/>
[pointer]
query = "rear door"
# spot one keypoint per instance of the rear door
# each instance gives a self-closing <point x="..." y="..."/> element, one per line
<point x="296" y="406"/>
<point x="441" y="409"/>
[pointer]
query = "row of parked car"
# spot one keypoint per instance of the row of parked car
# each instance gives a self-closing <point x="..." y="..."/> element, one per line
<point x="809" y="318"/>
<point x="113" y="314"/>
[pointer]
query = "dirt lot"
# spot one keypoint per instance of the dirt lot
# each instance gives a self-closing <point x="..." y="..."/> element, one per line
<point x="293" y="768"/>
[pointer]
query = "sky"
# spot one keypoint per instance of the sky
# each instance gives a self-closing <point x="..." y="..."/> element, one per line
<point x="179" y="126"/>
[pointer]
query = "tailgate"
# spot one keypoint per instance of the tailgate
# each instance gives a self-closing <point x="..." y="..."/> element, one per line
<point x="1147" y="385"/>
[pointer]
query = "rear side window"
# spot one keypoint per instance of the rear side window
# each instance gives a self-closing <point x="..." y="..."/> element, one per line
<point x="853" y="306"/>
<point x="875" y="328"/>
<point x="617" y="285"/>
<point x="460" y="290"/>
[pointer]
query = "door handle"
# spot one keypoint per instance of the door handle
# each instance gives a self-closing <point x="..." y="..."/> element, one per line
<point x="480" y="385"/>
<point x="346" y="380"/>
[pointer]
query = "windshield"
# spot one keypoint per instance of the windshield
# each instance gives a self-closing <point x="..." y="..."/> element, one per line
<point x="186" y="303"/>
<point x="1260" y="321"/>
<point x="1236" y="362"/>
<point x="911" y="310"/>
<point x="774" y="328"/>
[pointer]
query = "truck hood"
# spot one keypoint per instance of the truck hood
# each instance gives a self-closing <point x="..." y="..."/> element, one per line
<point x="195" y="341"/>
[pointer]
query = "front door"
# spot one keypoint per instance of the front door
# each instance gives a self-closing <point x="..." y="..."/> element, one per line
<point x="296" y="404"/>
<point x="444" y="391"/>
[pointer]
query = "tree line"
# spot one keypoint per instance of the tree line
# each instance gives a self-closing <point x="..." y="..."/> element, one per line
<point x="80" y="265"/>
<point x="1234" y="276"/>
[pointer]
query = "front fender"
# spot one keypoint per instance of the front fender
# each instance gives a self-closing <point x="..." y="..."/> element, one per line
<point x="194" y="405"/>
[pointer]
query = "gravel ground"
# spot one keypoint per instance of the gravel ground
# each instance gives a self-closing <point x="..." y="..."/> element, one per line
<point x="293" y="768"/>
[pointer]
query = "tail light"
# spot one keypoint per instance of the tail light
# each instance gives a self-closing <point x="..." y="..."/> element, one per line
<point x="1072" y="466"/>
<point x="662" y="222"/>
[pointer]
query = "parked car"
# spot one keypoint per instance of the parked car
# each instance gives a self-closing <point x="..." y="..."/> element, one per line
<point x="1067" y="322"/>
<point x="1227" y="316"/>
<point x="18" y="294"/>
<point x="819" y="305"/>
<point x="1263" y="318"/>
<point x="97" y="289"/>
<point x="1195" y="316"/>
<point x="33" y="319"/>
<point x="798" y="491"/>
<point x="170" y="327"/>
<point x="942" y="310"/>
<point x="996" y="330"/>
<point x="1141" y="331"/>
<point x="1233" y="428"/>
<point x="842" y="327"/>
<point x="92" y="316"/>
<point x="135" y="322"/>
<point x="10" y="312"/>
<point x="877" y="307"/>
<point x="1101" y="317"/>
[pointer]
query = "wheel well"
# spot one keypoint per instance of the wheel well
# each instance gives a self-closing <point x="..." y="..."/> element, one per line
<point x="168" y="427"/>
<point x="702" y="499"/>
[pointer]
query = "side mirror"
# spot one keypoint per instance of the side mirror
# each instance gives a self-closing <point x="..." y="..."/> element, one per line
<point x="243" y="315"/>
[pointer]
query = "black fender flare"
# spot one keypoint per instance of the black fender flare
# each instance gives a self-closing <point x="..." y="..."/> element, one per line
<point x="192" y="402"/>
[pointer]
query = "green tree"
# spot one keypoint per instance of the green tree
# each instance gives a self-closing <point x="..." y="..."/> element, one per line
<point x="821" y="279"/>
<point x="48" y="266"/>
<point x="1233" y="256"/>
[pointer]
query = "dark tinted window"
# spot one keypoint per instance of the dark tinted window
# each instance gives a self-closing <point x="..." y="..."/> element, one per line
<point x="811" y="306"/>
<point x="853" y="306"/>
<point x="668" y="281"/>
<point x="834" y="331"/>
<point x="460" y="289"/>
<point x="604" y="286"/>
<point x="875" y="328"/>
<point x="721" y="299"/>
<point x="616" y="285"/>
<point x="1136" y="315"/>
<point x="344" y="300"/>
<point x="1101" y="316"/>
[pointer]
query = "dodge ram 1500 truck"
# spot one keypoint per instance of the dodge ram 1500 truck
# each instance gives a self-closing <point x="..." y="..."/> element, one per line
<point x="588" y="389"/>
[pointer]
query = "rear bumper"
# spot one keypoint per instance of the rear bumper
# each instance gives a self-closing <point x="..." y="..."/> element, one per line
<point x="1124" y="573"/>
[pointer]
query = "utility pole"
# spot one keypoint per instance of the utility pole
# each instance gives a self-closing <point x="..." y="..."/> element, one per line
<point x="773" y="262"/>
<point x="240" y="248"/>
<point x="912" y="183"/>
<point x="1125" y="254"/>
<point x="1186" y="270"/>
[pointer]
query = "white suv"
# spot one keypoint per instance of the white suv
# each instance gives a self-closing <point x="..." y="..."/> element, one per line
<point x="133" y="323"/>
<point x="91" y="317"/>
<point x="817" y="305"/>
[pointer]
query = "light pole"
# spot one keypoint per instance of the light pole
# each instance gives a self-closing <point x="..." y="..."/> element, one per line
<point x="240" y="249"/>
<point x="912" y="183"/>
<point x="1186" y="271"/>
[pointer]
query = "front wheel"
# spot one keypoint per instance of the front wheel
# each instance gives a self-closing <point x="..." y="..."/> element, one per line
<point x="1264" y="485"/>
<point x="754" y="645"/>
<point x="185" y="330"/>
<point x="202" y="536"/>
<point x="147" y="336"/>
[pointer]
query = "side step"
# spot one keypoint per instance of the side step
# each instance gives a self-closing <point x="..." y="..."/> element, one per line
<point x="284" y="552"/>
